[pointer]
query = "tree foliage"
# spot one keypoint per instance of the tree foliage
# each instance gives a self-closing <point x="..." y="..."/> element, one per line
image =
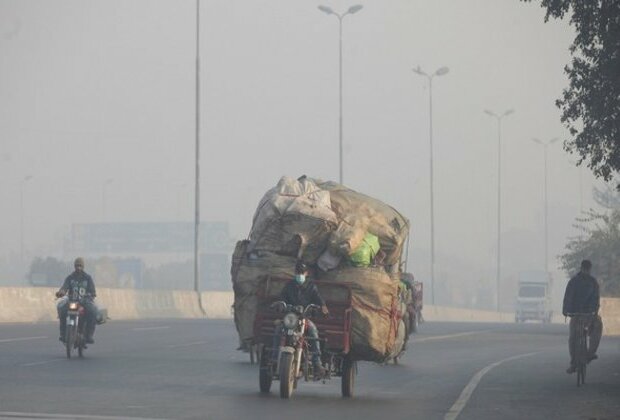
<point x="599" y="243"/>
<point x="51" y="271"/>
<point x="591" y="103"/>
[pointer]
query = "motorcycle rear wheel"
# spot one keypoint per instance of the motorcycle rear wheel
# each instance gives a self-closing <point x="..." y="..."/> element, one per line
<point x="348" y="377"/>
<point x="264" y="376"/>
<point x="287" y="375"/>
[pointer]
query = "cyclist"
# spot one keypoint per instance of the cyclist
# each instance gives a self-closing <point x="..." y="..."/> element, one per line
<point x="582" y="297"/>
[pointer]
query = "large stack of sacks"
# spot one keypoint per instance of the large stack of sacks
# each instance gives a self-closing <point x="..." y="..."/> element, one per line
<point x="344" y="236"/>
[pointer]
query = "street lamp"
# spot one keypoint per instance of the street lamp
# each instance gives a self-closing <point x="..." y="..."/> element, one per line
<point x="21" y="200"/>
<point x="439" y="72"/>
<point x="499" y="118"/>
<point x="545" y="145"/>
<point x="197" y="166"/>
<point x="340" y="16"/>
<point x="103" y="197"/>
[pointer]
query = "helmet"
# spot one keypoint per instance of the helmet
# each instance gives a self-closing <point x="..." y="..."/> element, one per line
<point x="79" y="261"/>
<point x="300" y="267"/>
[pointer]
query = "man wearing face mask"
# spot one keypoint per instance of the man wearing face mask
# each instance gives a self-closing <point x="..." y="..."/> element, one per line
<point x="301" y="291"/>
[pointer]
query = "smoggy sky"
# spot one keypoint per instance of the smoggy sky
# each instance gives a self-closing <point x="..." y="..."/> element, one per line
<point x="97" y="100"/>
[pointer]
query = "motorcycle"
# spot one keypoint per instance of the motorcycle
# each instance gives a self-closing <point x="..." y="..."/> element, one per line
<point x="75" y="334"/>
<point x="291" y="361"/>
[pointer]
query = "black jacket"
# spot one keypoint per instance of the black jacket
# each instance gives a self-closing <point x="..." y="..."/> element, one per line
<point x="305" y="294"/>
<point x="77" y="284"/>
<point x="582" y="295"/>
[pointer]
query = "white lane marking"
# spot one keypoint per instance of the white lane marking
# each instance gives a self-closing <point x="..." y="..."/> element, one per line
<point x="151" y="328"/>
<point x="460" y="403"/>
<point x="12" y="340"/>
<point x="195" y="343"/>
<point x="16" y="415"/>
<point x="444" y="337"/>
<point x="42" y="363"/>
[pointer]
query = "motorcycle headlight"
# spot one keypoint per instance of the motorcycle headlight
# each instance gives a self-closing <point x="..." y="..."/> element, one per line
<point x="290" y="321"/>
<point x="73" y="306"/>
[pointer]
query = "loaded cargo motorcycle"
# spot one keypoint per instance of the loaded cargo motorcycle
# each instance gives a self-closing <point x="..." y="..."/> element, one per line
<point x="290" y="360"/>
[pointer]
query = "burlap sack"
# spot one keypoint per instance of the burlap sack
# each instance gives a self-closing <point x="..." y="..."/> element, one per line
<point x="375" y="316"/>
<point x="384" y="221"/>
<point x="250" y="271"/>
<point x="348" y="236"/>
<point x="292" y="210"/>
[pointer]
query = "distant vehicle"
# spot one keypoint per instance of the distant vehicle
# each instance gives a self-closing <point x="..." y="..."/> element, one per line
<point x="534" y="297"/>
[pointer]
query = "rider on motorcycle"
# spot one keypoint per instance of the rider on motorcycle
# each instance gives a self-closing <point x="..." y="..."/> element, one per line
<point x="301" y="291"/>
<point x="79" y="285"/>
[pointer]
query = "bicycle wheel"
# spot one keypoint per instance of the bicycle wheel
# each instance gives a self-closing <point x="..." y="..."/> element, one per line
<point x="581" y="375"/>
<point x="581" y="350"/>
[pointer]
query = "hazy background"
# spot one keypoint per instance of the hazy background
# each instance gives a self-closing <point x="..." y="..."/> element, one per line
<point x="97" y="104"/>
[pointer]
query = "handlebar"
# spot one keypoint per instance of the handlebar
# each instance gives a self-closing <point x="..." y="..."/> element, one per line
<point x="62" y="293"/>
<point x="281" y="306"/>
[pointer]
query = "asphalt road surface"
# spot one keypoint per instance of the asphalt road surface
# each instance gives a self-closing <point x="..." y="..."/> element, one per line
<point x="181" y="369"/>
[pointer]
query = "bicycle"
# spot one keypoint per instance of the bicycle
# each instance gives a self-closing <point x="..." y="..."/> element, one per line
<point x="580" y="344"/>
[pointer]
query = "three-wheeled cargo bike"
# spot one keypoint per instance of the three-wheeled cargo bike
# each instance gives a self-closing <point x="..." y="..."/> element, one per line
<point x="284" y="349"/>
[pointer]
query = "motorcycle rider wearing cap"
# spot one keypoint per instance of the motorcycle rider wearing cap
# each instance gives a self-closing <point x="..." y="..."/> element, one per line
<point x="79" y="284"/>
<point x="301" y="291"/>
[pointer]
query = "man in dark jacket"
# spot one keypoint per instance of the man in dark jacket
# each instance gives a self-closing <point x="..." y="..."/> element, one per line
<point x="79" y="285"/>
<point x="301" y="291"/>
<point x="582" y="297"/>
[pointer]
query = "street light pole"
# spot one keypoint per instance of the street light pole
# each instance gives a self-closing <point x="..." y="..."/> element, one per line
<point x="21" y="212"/>
<point x="340" y="16"/>
<point x="499" y="184"/>
<point x="197" y="158"/>
<point x="439" y="72"/>
<point x="545" y="146"/>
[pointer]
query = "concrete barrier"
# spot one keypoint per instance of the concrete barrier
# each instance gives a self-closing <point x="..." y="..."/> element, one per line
<point x="610" y="312"/>
<point x="25" y="304"/>
<point x="448" y="314"/>
<point x="217" y="305"/>
<point x="37" y="304"/>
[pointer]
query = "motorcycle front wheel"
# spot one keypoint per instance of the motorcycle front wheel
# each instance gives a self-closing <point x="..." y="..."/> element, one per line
<point x="264" y="375"/>
<point x="348" y="376"/>
<point x="70" y="340"/>
<point x="287" y="375"/>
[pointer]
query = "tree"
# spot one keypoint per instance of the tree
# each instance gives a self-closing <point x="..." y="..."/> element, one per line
<point x="591" y="103"/>
<point x="600" y="243"/>
<point x="48" y="272"/>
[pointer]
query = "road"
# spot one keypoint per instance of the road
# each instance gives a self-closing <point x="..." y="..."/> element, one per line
<point x="188" y="369"/>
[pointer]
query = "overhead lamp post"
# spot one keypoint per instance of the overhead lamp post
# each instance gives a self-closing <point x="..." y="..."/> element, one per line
<point x="340" y="16"/>
<point x="545" y="146"/>
<point x="499" y="118"/>
<point x="21" y="212"/>
<point x="103" y="198"/>
<point x="197" y="161"/>
<point x="439" y="72"/>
